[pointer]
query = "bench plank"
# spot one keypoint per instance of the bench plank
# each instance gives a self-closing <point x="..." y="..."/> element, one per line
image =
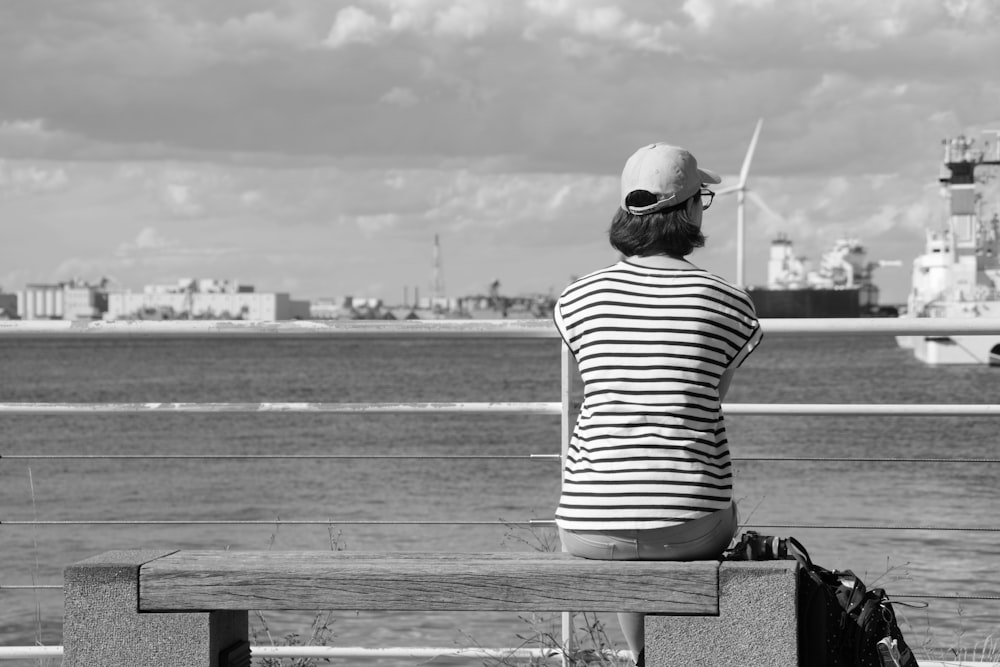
<point x="419" y="581"/>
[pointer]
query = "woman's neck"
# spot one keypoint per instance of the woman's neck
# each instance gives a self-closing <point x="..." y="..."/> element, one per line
<point x="660" y="261"/>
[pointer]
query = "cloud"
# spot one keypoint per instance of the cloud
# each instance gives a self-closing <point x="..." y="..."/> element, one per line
<point x="353" y="26"/>
<point x="20" y="180"/>
<point x="15" y="128"/>
<point x="251" y="198"/>
<point x="150" y="250"/>
<point x="375" y="224"/>
<point x="178" y="199"/>
<point x="401" y="97"/>
<point x="702" y="13"/>
<point x="265" y="30"/>
<point x="148" y="239"/>
<point x="467" y="20"/>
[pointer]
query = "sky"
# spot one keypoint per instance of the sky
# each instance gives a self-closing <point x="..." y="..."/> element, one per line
<point x="319" y="148"/>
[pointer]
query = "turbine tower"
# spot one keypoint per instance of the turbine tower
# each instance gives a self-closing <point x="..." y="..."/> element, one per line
<point x="742" y="192"/>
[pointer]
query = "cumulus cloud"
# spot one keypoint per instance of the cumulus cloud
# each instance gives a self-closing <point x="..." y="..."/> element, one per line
<point x="32" y="127"/>
<point x="702" y="12"/>
<point x="267" y="29"/>
<point x="147" y="240"/>
<point x="19" y="179"/>
<point x="197" y="190"/>
<point x="353" y="26"/>
<point x="179" y="200"/>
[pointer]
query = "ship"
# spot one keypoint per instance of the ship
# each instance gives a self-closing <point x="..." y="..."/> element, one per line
<point x="841" y="286"/>
<point x="958" y="275"/>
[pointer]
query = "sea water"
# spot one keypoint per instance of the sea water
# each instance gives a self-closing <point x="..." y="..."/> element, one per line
<point x="472" y="468"/>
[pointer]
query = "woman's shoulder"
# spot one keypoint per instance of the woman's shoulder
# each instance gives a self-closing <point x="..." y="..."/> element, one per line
<point x="593" y="277"/>
<point x="736" y="294"/>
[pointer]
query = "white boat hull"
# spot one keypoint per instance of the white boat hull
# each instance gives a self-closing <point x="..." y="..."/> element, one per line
<point x="906" y="342"/>
<point x="954" y="350"/>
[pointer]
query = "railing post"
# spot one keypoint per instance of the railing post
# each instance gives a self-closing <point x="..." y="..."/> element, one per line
<point x="103" y="626"/>
<point x="567" y="373"/>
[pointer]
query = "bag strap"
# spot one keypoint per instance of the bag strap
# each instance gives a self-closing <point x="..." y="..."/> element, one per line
<point x="802" y="556"/>
<point x="799" y="553"/>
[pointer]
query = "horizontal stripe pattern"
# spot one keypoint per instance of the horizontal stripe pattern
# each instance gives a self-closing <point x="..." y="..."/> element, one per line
<point x="649" y="449"/>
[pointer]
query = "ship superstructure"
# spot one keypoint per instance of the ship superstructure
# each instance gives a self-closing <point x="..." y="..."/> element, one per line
<point x="958" y="275"/>
<point x="840" y="286"/>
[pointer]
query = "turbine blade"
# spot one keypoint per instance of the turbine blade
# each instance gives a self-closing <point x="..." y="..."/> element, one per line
<point x="728" y="190"/>
<point x="745" y="170"/>
<point x="764" y="207"/>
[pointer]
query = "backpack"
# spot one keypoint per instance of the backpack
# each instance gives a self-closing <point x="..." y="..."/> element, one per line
<point x="841" y="622"/>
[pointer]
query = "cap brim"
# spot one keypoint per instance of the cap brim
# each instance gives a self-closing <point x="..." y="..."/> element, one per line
<point x="709" y="176"/>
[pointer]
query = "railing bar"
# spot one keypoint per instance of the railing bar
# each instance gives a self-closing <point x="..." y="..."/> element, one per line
<point x="851" y="459"/>
<point x="546" y="408"/>
<point x="554" y="457"/>
<point x="274" y="456"/>
<point x="505" y="328"/>
<point x="945" y="597"/>
<point x="863" y="409"/>
<point x="868" y="527"/>
<point x="327" y="652"/>
<point x="256" y="522"/>
<point x="424" y="522"/>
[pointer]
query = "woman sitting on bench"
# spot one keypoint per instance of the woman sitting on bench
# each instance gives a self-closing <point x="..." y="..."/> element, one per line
<point x="657" y="340"/>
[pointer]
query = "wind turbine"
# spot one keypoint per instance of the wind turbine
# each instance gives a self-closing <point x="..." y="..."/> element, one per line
<point x="742" y="192"/>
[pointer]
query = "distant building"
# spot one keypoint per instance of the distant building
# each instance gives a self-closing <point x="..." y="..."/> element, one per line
<point x="346" y="308"/>
<point x="73" y="300"/>
<point x="187" y="298"/>
<point x="201" y="286"/>
<point x="8" y="306"/>
<point x="84" y="303"/>
<point x="241" y="305"/>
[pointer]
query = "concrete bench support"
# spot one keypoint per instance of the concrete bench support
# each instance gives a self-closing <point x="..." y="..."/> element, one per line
<point x="103" y="626"/>
<point x="181" y="609"/>
<point x="756" y="625"/>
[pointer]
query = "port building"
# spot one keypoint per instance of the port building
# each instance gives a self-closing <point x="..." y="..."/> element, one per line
<point x="73" y="300"/>
<point x="204" y="299"/>
<point x="8" y="306"/>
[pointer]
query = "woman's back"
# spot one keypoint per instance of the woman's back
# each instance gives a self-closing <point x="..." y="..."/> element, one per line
<point x="650" y="449"/>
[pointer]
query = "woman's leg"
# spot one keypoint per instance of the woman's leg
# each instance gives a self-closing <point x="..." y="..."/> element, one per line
<point x="614" y="545"/>
<point x="634" y="628"/>
<point x="700" y="539"/>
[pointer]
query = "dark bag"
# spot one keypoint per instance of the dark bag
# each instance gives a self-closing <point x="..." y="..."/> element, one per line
<point x="843" y="624"/>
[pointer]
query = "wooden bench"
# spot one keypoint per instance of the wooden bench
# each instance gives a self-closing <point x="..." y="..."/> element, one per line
<point x="190" y="607"/>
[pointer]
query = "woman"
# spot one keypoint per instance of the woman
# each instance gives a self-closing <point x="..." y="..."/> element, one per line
<point x="657" y="341"/>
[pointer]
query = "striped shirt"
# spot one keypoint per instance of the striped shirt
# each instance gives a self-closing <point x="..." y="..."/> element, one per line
<point x="649" y="449"/>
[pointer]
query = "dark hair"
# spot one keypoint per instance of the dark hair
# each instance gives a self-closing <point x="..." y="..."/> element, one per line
<point x="666" y="232"/>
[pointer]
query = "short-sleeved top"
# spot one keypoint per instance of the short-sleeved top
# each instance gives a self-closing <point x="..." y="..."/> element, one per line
<point x="649" y="449"/>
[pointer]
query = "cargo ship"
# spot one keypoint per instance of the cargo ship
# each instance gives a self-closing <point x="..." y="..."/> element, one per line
<point x="958" y="275"/>
<point x="841" y="286"/>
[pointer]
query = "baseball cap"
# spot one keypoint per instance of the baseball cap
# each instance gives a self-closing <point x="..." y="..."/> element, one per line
<point x="669" y="173"/>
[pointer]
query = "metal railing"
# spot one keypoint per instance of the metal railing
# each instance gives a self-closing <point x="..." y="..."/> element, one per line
<point x="564" y="409"/>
